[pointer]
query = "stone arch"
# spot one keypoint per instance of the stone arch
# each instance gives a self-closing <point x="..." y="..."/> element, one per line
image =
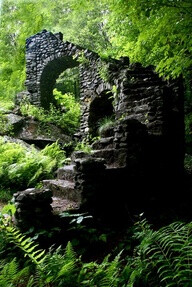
<point x="100" y="107"/>
<point x="47" y="56"/>
<point x="49" y="76"/>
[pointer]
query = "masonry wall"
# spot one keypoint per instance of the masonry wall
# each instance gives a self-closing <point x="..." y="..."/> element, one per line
<point x="139" y="162"/>
<point x="139" y="95"/>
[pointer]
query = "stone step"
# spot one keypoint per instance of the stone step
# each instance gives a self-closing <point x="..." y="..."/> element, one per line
<point x="66" y="172"/>
<point x="148" y="75"/>
<point x="142" y="84"/>
<point x="103" y="143"/>
<point x="107" y="154"/>
<point x="60" y="205"/>
<point x="107" y="132"/>
<point x="63" y="189"/>
<point x="79" y="154"/>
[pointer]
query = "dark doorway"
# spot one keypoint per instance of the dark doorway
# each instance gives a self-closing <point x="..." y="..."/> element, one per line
<point x="100" y="108"/>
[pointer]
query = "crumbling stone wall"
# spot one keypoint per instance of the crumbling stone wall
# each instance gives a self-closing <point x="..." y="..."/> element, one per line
<point x="139" y="92"/>
<point x="130" y="91"/>
<point x="47" y="56"/>
<point x="147" y="141"/>
<point x="33" y="208"/>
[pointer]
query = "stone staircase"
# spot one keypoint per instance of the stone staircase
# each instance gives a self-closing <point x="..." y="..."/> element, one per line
<point x="65" y="194"/>
<point x="104" y="147"/>
<point x="65" y="197"/>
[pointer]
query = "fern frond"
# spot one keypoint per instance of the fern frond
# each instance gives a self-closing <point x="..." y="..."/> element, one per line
<point x="66" y="269"/>
<point x="69" y="254"/>
<point x="25" y="244"/>
<point x="8" y="273"/>
<point x="167" y="255"/>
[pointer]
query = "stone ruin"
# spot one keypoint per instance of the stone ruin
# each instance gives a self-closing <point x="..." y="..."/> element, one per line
<point x="136" y="164"/>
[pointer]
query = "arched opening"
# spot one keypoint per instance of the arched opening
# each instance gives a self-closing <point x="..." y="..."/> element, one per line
<point x="68" y="82"/>
<point x="49" y="78"/>
<point x="100" y="108"/>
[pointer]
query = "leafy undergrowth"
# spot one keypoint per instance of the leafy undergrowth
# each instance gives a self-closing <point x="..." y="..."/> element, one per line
<point x="65" y="116"/>
<point x="21" y="166"/>
<point x="160" y="257"/>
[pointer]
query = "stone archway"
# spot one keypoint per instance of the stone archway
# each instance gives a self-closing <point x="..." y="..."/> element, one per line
<point x="47" y="56"/>
<point x="49" y="76"/>
<point x="100" y="108"/>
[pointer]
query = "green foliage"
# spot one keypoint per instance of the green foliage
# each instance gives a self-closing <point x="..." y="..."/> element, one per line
<point x="5" y="195"/>
<point x="68" y="82"/>
<point x="69" y="119"/>
<point x="66" y="116"/>
<point x="5" y="127"/>
<point x="57" y="267"/>
<point x="164" y="257"/>
<point x="6" y="105"/>
<point x="115" y="28"/>
<point x="81" y="26"/>
<point x="80" y="57"/>
<point x="104" y="274"/>
<point x="83" y="23"/>
<point x="188" y="163"/>
<point x="77" y="217"/>
<point x="152" y="32"/>
<point x="16" y="26"/>
<point x="68" y="270"/>
<point x="83" y="146"/>
<point x="21" y="167"/>
<point x="11" y="275"/>
<point x="24" y="243"/>
<point x="188" y="127"/>
<point x="60" y="269"/>
<point x="28" y="109"/>
<point x="103" y="71"/>
<point x="105" y="124"/>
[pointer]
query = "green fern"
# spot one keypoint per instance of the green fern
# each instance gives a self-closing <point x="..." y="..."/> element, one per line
<point x="106" y="274"/>
<point x="25" y="244"/>
<point x="164" y="257"/>
<point x="10" y="275"/>
<point x="70" y="261"/>
<point x="59" y="269"/>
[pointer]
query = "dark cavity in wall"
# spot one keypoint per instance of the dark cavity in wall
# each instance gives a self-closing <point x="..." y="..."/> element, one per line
<point x="100" y="108"/>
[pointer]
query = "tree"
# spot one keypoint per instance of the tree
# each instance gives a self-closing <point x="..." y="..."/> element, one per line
<point x="20" y="19"/>
<point x="153" y="32"/>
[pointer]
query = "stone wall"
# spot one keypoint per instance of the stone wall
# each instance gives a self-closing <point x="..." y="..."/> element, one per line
<point x="33" y="208"/>
<point x="146" y="152"/>
<point x="138" y="92"/>
<point x="130" y="91"/>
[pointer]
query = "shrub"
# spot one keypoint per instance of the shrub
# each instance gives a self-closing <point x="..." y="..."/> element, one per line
<point x="21" y="167"/>
<point x="65" y="116"/>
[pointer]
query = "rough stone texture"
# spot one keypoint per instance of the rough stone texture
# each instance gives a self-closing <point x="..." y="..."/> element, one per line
<point x="33" y="206"/>
<point x="136" y="165"/>
<point x="140" y="94"/>
<point x="89" y="179"/>
<point x="33" y="131"/>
